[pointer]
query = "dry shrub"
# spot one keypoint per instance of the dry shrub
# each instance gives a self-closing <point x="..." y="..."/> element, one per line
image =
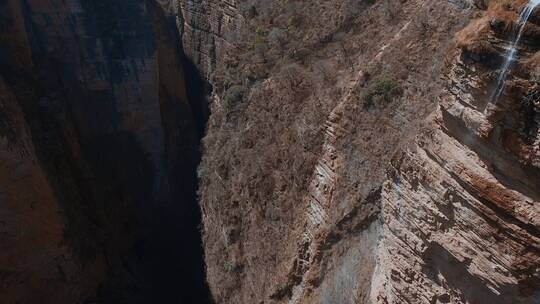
<point x="233" y="96"/>
<point x="294" y="79"/>
<point x="382" y="91"/>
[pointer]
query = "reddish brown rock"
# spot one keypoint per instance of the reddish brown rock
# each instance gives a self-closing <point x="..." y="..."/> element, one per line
<point x="427" y="195"/>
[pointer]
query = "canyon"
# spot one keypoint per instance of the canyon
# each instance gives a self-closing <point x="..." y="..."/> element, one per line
<point x="257" y="151"/>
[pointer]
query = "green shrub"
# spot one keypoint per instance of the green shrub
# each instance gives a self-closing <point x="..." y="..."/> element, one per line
<point x="234" y="96"/>
<point x="260" y="37"/>
<point x="228" y="266"/>
<point x="260" y="34"/>
<point x="384" y="89"/>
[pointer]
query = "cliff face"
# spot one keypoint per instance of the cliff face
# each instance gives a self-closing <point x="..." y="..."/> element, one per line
<point x="98" y="150"/>
<point x="461" y="202"/>
<point x="353" y="153"/>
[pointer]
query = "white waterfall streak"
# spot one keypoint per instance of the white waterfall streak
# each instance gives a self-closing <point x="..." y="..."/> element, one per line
<point x="512" y="51"/>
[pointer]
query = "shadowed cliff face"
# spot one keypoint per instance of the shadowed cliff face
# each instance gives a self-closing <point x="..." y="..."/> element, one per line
<point x="98" y="155"/>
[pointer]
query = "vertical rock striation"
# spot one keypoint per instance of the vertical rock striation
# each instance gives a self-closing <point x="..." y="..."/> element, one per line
<point x="428" y="195"/>
<point x="99" y="147"/>
<point x="352" y="154"/>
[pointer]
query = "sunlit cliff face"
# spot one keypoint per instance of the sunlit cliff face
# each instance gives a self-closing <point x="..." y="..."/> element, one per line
<point x="359" y="139"/>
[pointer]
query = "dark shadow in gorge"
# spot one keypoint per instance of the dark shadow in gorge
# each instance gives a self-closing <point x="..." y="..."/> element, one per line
<point x="128" y="198"/>
<point x="177" y="262"/>
<point x="168" y="248"/>
<point x="198" y="92"/>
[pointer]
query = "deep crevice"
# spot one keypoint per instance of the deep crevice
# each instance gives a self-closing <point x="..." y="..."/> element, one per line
<point x="198" y="92"/>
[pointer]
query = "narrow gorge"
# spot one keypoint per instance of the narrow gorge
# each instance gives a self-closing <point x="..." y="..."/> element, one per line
<point x="270" y="152"/>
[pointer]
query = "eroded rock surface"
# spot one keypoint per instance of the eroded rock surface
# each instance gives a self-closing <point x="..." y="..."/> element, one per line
<point x="315" y="191"/>
<point x="353" y="153"/>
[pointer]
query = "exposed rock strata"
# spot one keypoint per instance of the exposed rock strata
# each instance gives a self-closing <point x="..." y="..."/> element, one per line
<point x="311" y="190"/>
<point x="429" y="199"/>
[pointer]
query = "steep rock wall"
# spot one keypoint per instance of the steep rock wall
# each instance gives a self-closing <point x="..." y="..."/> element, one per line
<point x="98" y="154"/>
<point x="352" y="154"/>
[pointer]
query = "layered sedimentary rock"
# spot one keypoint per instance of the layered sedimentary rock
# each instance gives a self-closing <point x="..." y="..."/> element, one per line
<point x="353" y="153"/>
<point x="315" y="191"/>
<point x="461" y="206"/>
<point x="98" y="149"/>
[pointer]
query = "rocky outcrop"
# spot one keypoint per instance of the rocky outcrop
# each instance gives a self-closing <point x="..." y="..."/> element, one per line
<point x="461" y="204"/>
<point x="98" y="152"/>
<point x="363" y="161"/>
<point x="353" y="153"/>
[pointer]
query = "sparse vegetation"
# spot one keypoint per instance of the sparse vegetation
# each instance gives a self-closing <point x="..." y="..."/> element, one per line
<point x="505" y="4"/>
<point x="228" y="266"/>
<point x="294" y="76"/>
<point x="276" y="37"/>
<point x="384" y="89"/>
<point x="292" y="66"/>
<point x="248" y="10"/>
<point x="234" y="96"/>
<point x="260" y="38"/>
